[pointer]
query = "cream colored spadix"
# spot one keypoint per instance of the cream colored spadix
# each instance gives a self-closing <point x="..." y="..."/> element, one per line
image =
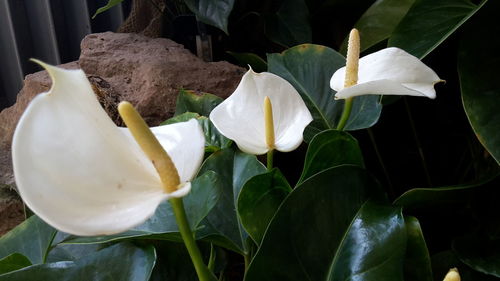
<point x="452" y="275"/>
<point x="241" y="117"/>
<point x="82" y="174"/>
<point x="390" y="71"/>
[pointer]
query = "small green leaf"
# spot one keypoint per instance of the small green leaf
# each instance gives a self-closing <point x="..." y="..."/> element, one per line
<point x="213" y="12"/>
<point x="32" y="238"/>
<point x="206" y="191"/>
<point x="111" y="4"/>
<point x="309" y="69"/>
<point x="417" y="260"/>
<point x="379" y="21"/>
<point x="245" y="59"/>
<point x="13" y="262"/>
<point x="190" y="101"/>
<point x="478" y="71"/>
<point x="329" y="149"/>
<point x="222" y="226"/>
<point x="186" y="116"/>
<point x="214" y="140"/>
<point x="124" y="262"/>
<point x="429" y="22"/>
<point x="258" y="201"/>
<point x="290" y="26"/>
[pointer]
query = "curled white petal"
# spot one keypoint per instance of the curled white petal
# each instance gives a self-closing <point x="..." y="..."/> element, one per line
<point x="241" y="116"/>
<point x="390" y="64"/>
<point x="75" y="169"/>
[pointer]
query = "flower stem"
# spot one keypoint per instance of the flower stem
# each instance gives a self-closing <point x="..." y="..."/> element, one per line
<point x="345" y="114"/>
<point x="270" y="159"/>
<point x="202" y="270"/>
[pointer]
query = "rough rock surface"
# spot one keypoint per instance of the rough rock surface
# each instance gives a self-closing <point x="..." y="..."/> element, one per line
<point x="147" y="72"/>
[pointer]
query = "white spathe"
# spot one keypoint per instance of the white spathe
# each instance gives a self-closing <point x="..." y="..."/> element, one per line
<point x="82" y="174"/>
<point x="241" y="116"/>
<point x="390" y="71"/>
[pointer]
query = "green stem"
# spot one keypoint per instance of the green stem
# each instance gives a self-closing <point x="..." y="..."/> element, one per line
<point x="417" y="142"/>
<point x="211" y="260"/>
<point x="381" y="161"/>
<point x="345" y="114"/>
<point x="180" y="215"/>
<point x="49" y="246"/>
<point x="270" y="159"/>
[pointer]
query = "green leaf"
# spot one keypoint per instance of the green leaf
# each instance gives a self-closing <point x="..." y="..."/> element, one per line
<point x="309" y="69"/>
<point x="379" y="21"/>
<point x="417" y="260"/>
<point x="213" y="12"/>
<point x="190" y="101"/>
<point x="443" y="261"/>
<point x="427" y="197"/>
<point x="258" y="201"/>
<point x="329" y="149"/>
<point x="245" y="59"/>
<point x="119" y="262"/>
<point x="479" y="252"/>
<point x="320" y="233"/>
<point x="13" y="262"/>
<point x="222" y="226"/>
<point x="111" y="4"/>
<point x="477" y="67"/>
<point x="290" y="25"/>
<point x="206" y="191"/>
<point x="214" y="140"/>
<point x="429" y="22"/>
<point x="32" y="238"/>
<point x="186" y="116"/>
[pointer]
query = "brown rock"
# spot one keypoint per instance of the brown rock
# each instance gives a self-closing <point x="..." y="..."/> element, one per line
<point x="149" y="72"/>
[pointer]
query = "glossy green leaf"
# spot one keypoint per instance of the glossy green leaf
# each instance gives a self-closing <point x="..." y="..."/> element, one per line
<point x="417" y="259"/>
<point x="32" y="238"/>
<point x="429" y="22"/>
<point x="317" y="232"/>
<point x="329" y="149"/>
<point x="379" y="21"/>
<point x="427" y="197"/>
<point x="258" y="201"/>
<point x="206" y="191"/>
<point x="72" y="252"/>
<point x="119" y="262"/>
<point x="190" y="101"/>
<point x="109" y="5"/>
<point x="480" y="253"/>
<point x="213" y="12"/>
<point x="13" y="262"/>
<point x="309" y="69"/>
<point x="245" y="59"/>
<point x="477" y="68"/>
<point x="290" y="25"/>
<point x="222" y="226"/>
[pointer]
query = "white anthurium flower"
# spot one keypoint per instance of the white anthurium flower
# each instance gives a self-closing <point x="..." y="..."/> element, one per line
<point x="241" y="116"/>
<point x="84" y="175"/>
<point x="390" y="71"/>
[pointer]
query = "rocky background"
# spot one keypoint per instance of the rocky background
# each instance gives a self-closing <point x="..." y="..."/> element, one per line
<point x="120" y="66"/>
